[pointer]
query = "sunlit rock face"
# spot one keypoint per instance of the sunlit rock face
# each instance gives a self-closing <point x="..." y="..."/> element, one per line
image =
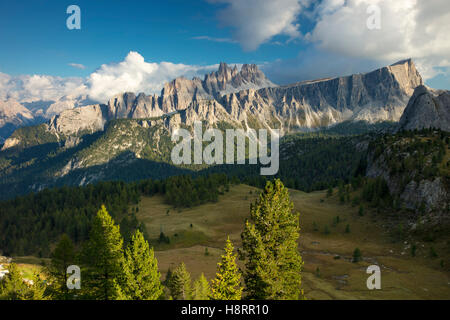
<point x="427" y="108"/>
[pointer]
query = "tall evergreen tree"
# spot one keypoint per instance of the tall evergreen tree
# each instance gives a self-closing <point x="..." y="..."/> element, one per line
<point x="62" y="257"/>
<point x="142" y="278"/>
<point x="201" y="289"/>
<point x="180" y="283"/>
<point x="227" y="284"/>
<point x="13" y="286"/>
<point x="270" y="248"/>
<point x="103" y="260"/>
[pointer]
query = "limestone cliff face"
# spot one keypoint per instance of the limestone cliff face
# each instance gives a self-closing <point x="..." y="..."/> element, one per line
<point x="248" y="99"/>
<point x="427" y="108"/>
<point x="84" y="119"/>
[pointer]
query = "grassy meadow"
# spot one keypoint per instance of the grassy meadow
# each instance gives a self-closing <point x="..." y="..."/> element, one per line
<point x="197" y="236"/>
<point x="325" y="245"/>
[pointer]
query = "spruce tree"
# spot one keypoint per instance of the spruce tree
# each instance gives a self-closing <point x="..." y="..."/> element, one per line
<point x="357" y="256"/>
<point x="62" y="257"/>
<point x="227" y="284"/>
<point x="142" y="278"/>
<point x="201" y="290"/>
<point x="103" y="259"/>
<point x="180" y="283"/>
<point x="270" y="247"/>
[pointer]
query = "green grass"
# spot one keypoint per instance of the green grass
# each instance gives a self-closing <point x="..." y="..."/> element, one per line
<point x="402" y="276"/>
<point x="28" y="265"/>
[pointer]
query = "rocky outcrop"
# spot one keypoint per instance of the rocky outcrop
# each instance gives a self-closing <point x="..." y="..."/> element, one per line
<point x="84" y="119"/>
<point x="432" y="193"/>
<point x="427" y="108"/>
<point x="411" y="171"/>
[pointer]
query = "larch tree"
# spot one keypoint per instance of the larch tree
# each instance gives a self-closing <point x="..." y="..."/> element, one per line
<point x="62" y="257"/>
<point x="180" y="283"/>
<point x="201" y="290"/>
<point x="142" y="278"/>
<point x="227" y="284"/>
<point x="270" y="247"/>
<point x="103" y="260"/>
<point x="14" y="287"/>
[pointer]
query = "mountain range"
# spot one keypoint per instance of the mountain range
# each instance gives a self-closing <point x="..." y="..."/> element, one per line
<point x="247" y="99"/>
<point x="129" y="137"/>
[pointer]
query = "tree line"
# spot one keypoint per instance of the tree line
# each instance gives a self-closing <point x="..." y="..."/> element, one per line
<point x="30" y="224"/>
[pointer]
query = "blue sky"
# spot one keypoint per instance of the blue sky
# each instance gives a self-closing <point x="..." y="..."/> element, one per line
<point x="291" y="40"/>
<point x="38" y="41"/>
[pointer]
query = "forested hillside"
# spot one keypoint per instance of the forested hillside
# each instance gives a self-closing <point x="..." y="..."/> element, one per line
<point x="29" y="225"/>
<point x="416" y="168"/>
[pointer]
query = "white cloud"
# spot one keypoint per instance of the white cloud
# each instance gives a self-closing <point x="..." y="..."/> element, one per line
<point x="409" y="28"/>
<point x="255" y="22"/>
<point x="136" y="75"/>
<point x="214" y="39"/>
<point x="132" y="74"/>
<point x="29" y="88"/>
<point x="77" y="66"/>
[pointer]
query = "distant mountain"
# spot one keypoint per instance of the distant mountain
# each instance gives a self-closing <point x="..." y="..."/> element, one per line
<point x="232" y="96"/>
<point x="89" y="143"/>
<point x="427" y="108"/>
<point x="181" y="93"/>
<point x="14" y="115"/>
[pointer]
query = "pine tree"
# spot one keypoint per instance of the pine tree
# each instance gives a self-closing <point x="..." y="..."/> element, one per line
<point x="273" y="263"/>
<point x="180" y="283"/>
<point x="103" y="259"/>
<point x="142" y="278"/>
<point x="361" y="210"/>
<point x="329" y="192"/>
<point x="201" y="290"/>
<point x="12" y="286"/>
<point x="227" y="284"/>
<point x="357" y="256"/>
<point x="62" y="257"/>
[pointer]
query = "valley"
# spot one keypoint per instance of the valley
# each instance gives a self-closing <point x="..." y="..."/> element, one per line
<point x="402" y="276"/>
<point x="324" y="275"/>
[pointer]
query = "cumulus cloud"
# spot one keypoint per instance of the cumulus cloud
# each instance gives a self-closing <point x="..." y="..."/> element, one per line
<point x="255" y="22"/>
<point x="29" y="88"/>
<point x="136" y="75"/>
<point x="132" y="74"/>
<point x="409" y="28"/>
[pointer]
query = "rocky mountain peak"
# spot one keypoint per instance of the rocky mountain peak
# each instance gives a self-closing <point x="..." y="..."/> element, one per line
<point x="247" y="96"/>
<point x="406" y="74"/>
<point x="427" y="108"/>
<point x="12" y="108"/>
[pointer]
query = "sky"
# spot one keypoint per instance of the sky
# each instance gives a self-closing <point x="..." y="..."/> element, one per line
<point x="138" y="45"/>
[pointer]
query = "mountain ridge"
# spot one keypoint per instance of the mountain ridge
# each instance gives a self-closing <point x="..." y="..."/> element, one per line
<point x="379" y="95"/>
